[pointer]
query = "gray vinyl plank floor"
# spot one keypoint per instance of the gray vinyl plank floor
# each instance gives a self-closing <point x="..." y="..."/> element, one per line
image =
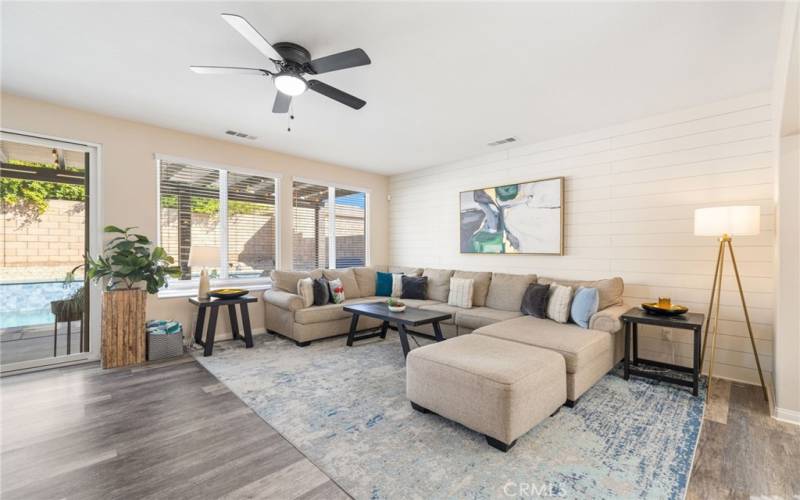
<point x="161" y="430"/>
<point x="743" y="452"/>
<point x="172" y="430"/>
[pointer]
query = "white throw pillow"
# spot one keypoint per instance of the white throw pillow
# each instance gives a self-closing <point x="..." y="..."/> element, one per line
<point x="558" y="302"/>
<point x="461" y="290"/>
<point x="397" y="285"/>
<point x="305" y="289"/>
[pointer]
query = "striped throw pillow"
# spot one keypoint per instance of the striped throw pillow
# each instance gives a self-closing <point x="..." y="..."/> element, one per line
<point x="558" y="302"/>
<point x="461" y="290"/>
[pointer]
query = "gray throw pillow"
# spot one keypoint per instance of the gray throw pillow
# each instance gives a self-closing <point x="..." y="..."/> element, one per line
<point x="322" y="294"/>
<point x="414" y="287"/>
<point x="534" y="302"/>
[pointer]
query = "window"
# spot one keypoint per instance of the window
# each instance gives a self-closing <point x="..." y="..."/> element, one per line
<point x="319" y="211"/>
<point x="351" y="228"/>
<point x="199" y="205"/>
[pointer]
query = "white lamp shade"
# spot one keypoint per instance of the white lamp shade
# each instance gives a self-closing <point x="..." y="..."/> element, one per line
<point x="734" y="221"/>
<point x="204" y="256"/>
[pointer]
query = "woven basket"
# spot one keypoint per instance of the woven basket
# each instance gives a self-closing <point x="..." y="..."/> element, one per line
<point x="164" y="345"/>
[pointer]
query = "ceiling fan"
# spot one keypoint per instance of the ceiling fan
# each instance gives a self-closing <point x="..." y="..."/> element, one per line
<point x="291" y="62"/>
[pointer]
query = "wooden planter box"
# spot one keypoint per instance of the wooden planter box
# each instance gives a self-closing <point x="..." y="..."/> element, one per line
<point x="123" y="333"/>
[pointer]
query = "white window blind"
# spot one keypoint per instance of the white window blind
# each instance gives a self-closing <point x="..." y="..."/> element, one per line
<point x="310" y="221"/>
<point x="230" y="210"/>
<point x="251" y="225"/>
<point x="351" y="228"/>
<point x="319" y="211"/>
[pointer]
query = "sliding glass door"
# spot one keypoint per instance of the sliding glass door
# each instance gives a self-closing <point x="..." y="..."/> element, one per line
<point x="44" y="190"/>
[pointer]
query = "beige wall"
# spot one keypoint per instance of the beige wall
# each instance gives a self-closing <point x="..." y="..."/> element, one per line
<point x="631" y="191"/>
<point x="128" y="177"/>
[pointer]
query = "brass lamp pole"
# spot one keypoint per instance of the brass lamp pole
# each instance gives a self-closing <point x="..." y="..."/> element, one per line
<point x="727" y="221"/>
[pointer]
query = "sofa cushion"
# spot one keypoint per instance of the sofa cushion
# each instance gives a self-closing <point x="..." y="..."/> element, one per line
<point x="559" y="298"/>
<point x="337" y="291"/>
<point x="445" y="308"/>
<point x="506" y="290"/>
<point x="480" y="286"/>
<point x="322" y="292"/>
<point x="438" y="283"/>
<point x="482" y="316"/>
<point x="579" y="346"/>
<point x="610" y="289"/>
<point x="397" y="285"/>
<point x="410" y="271"/>
<point x="419" y="302"/>
<point x="328" y="312"/>
<point x="287" y="280"/>
<point x="383" y="285"/>
<point x="348" y="278"/>
<point x="414" y="287"/>
<point x="584" y="305"/>
<point x="534" y="302"/>
<point x="318" y="314"/>
<point x="305" y="289"/>
<point x="365" y="278"/>
<point x="461" y="292"/>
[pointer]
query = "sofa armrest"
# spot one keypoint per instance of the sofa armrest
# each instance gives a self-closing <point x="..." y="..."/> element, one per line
<point x="284" y="300"/>
<point x="608" y="319"/>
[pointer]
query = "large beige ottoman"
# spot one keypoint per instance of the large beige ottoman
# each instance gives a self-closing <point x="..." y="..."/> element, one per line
<point x="499" y="388"/>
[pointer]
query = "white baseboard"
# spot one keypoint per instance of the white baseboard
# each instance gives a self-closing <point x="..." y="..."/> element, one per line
<point x="790" y="416"/>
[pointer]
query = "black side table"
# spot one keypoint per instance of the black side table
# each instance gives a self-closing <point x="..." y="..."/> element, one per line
<point x="214" y="304"/>
<point x="689" y="321"/>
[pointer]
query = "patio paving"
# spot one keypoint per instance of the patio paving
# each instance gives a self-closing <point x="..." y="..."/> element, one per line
<point x="25" y="343"/>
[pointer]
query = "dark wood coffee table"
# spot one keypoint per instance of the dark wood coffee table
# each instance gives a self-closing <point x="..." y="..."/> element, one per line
<point x="410" y="317"/>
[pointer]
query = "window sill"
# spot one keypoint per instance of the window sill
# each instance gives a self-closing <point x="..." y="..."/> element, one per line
<point x="190" y="290"/>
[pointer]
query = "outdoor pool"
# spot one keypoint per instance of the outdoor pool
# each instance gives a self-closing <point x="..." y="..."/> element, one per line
<point x="25" y="304"/>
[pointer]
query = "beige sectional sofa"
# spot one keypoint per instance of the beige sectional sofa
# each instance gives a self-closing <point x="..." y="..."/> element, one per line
<point x="588" y="353"/>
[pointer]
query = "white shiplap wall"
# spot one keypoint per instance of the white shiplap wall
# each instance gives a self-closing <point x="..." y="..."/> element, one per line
<point x="631" y="191"/>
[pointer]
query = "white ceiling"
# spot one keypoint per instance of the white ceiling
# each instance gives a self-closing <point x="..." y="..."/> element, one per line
<point x="445" y="78"/>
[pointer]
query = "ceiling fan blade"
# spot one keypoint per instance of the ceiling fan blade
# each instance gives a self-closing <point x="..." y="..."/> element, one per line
<point x="342" y="60"/>
<point x="250" y="34"/>
<point x="282" y="102"/>
<point x="227" y="70"/>
<point x="336" y="94"/>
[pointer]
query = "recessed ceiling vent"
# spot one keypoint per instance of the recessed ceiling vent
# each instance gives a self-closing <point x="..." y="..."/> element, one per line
<point x="503" y="141"/>
<point x="241" y="134"/>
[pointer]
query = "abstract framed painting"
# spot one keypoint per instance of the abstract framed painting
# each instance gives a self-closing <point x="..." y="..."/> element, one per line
<point x="523" y="218"/>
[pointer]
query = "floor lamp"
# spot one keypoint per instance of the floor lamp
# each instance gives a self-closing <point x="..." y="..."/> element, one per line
<point x="724" y="223"/>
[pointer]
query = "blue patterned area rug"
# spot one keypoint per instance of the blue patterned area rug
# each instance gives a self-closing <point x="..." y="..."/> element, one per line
<point x="346" y="410"/>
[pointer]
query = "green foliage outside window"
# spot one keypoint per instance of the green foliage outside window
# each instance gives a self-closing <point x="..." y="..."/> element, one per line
<point x="29" y="198"/>
<point x="210" y="206"/>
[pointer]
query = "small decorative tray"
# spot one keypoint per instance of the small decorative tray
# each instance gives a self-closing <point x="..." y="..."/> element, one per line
<point x="673" y="310"/>
<point x="227" y="293"/>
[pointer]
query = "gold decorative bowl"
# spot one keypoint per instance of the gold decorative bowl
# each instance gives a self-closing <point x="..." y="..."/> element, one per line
<point x="672" y="310"/>
<point x="227" y="293"/>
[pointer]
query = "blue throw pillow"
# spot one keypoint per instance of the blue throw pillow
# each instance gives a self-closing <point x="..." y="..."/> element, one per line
<point x="383" y="284"/>
<point x="584" y="304"/>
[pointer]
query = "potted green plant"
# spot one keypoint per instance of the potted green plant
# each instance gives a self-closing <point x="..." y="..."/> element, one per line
<point x="130" y="267"/>
<point x="395" y="305"/>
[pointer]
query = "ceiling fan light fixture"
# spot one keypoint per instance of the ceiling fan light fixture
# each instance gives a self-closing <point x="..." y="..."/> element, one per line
<point x="290" y="84"/>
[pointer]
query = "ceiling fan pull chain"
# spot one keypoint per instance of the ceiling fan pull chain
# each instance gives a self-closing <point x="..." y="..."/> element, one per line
<point x="291" y="117"/>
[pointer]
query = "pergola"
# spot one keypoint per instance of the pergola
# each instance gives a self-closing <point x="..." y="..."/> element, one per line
<point x="68" y="167"/>
<point x="186" y="182"/>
